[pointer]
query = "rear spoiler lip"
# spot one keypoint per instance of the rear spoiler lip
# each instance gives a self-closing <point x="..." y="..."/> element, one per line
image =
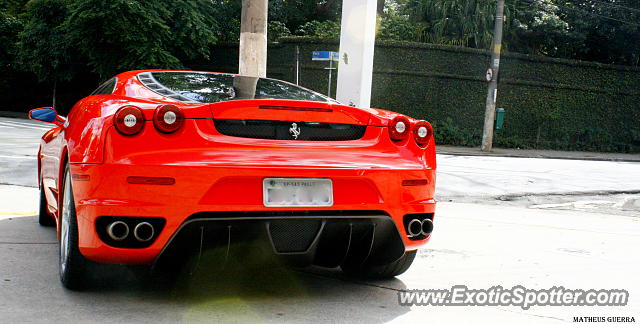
<point x="291" y="110"/>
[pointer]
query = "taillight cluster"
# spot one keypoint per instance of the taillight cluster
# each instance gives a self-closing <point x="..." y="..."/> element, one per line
<point x="129" y="120"/>
<point x="400" y="128"/>
<point x="168" y="119"/>
<point x="421" y="132"/>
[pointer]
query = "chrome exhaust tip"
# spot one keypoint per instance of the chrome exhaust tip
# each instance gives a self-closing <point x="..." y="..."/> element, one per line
<point x="118" y="230"/>
<point x="427" y="226"/>
<point x="414" y="228"/>
<point x="143" y="232"/>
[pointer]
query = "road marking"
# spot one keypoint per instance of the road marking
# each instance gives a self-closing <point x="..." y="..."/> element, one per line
<point x="18" y="143"/>
<point x="20" y="122"/>
<point x="17" y="156"/>
<point x="28" y="243"/>
<point x="12" y="122"/>
<point x="19" y="213"/>
<point x="26" y="128"/>
<point x="24" y="125"/>
<point x="10" y="215"/>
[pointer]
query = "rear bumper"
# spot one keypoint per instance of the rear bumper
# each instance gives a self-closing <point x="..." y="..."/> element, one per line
<point x="102" y="190"/>
<point x="222" y="174"/>
<point x="322" y="238"/>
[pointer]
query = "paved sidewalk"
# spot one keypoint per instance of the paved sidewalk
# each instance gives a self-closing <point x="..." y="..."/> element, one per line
<point x="548" y="154"/>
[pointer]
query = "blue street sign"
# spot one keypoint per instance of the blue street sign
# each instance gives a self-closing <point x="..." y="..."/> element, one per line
<point x="325" y="56"/>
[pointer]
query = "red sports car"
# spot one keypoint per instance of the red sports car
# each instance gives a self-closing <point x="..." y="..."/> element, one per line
<point x="156" y="165"/>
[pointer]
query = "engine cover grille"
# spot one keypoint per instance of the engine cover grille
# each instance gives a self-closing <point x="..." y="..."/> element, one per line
<point x="287" y="130"/>
<point x="295" y="235"/>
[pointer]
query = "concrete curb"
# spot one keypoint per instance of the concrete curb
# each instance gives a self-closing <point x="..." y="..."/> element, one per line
<point x="539" y="154"/>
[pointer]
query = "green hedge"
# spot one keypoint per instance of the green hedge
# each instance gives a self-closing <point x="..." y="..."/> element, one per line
<point x="550" y="103"/>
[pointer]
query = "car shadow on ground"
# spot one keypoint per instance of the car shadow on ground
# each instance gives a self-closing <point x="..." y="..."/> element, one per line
<point x="251" y="287"/>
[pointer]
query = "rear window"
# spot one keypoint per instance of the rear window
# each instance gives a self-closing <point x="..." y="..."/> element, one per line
<point x="105" y="88"/>
<point x="216" y="87"/>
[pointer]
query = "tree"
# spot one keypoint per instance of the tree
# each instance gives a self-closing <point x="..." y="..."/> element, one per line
<point x="229" y="28"/>
<point x="328" y="29"/>
<point x="44" y="45"/>
<point x="13" y="7"/>
<point x="192" y="25"/>
<point x="592" y="30"/>
<point x="609" y="31"/>
<point x="118" y="35"/>
<point x="538" y="29"/>
<point x="276" y="30"/>
<point x="460" y="22"/>
<point x="10" y="27"/>
<point x="393" y="25"/>
<point x="285" y="16"/>
<point x="295" y="13"/>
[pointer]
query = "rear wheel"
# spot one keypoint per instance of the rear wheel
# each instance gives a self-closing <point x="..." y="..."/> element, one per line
<point x="383" y="271"/>
<point x="72" y="265"/>
<point x="43" y="216"/>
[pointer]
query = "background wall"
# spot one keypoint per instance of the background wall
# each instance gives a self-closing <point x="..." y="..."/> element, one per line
<point x="550" y="103"/>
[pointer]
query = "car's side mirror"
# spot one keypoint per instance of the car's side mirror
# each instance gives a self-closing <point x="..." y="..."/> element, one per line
<point x="47" y="115"/>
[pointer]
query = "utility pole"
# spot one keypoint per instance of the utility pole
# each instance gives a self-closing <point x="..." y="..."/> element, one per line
<point x="253" y="38"/>
<point x="297" y="65"/>
<point x="492" y="77"/>
<point x="357" y="43"/>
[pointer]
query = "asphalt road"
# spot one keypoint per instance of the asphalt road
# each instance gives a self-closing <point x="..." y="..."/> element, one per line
<point x="485" y="243"/>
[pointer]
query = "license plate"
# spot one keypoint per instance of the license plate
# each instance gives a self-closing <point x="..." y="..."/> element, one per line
<point x="297" y="192"/>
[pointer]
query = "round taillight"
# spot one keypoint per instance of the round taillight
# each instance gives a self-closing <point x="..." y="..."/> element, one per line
<point x="399" y="128"/>
<point x="129" y="120"/>
<point x="168" y="119"/>
<point x="421" y="132"/>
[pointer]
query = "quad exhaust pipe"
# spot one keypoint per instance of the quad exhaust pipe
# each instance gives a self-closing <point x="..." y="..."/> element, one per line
<point x="143" y="232"/>
<point x="119" y="231"/>
<point x="418" y="227"/>
<point x="427" y="226"/>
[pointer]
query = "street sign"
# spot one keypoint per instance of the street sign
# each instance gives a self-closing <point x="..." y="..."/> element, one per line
<point x="325" y="56"/>
<point x="489" y="75"/>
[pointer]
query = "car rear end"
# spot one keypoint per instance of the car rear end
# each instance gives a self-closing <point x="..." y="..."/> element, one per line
<point x="315" y="181"/>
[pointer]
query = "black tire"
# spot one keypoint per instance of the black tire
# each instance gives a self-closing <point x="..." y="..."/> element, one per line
<point x="384" y="271"/>
<point x="73" y="267"/>
<point x="43" y="215"/>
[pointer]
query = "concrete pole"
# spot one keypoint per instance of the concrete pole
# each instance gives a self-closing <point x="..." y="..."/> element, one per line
<point x="253" y="38"/>
<point x="357" y="42"/>
<point x="492" y="92"/>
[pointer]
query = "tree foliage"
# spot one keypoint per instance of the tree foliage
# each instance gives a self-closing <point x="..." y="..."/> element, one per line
<point x="594" y="30"/>
<point x="467" y="22"/>
<point x="285" y="18"/>
<point x="117" y="35"/>
<point x="45" y="47"/>
<point x="609" y="31"/>
<point x="328" y="29"/>
<point x="10" y="27"/>
<point x="57" y="39"/>
<point x="295" y="13"/>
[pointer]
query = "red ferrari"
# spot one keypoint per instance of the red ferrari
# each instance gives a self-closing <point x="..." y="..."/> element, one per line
<point x="155" y="166"/>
